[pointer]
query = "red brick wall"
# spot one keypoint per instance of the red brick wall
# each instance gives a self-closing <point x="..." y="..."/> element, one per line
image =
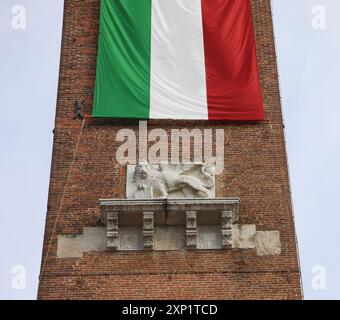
<point x="255" y="171"/>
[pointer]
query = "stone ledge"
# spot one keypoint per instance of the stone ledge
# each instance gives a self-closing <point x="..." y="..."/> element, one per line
<point x="133" y="209"/>
<point x="94" y="239"/>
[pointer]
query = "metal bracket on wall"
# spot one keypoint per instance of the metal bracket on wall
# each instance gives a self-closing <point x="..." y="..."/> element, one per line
<point x="78" y="110"/>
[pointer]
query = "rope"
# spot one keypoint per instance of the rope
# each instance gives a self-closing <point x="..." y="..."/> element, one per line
<point x="62" y="199"/>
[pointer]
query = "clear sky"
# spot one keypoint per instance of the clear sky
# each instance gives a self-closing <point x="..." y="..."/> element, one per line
<point x="308" y="52"/>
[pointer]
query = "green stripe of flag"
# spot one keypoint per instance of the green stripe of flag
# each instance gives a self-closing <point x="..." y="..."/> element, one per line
<point x="123" y="67"/>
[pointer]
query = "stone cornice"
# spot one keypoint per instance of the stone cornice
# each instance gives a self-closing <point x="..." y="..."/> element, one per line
<point x="170" y="205"/>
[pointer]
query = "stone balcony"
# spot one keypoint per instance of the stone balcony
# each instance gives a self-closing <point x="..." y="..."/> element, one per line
<point x="169" y="224"/>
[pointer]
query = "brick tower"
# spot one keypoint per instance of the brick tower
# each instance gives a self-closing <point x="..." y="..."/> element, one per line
<point x="239" y="245"/>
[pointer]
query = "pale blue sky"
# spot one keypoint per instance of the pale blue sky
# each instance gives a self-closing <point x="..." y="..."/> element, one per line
<point x="309" y="70"/>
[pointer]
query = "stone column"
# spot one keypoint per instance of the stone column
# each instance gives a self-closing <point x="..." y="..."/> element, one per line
<point x="148" y="230"/>
<point x="112" y="240"/>
<point x="191" y="229"/>
<point x="226" y="229"/>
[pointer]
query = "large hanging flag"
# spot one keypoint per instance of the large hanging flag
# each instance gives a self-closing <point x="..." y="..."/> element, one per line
<point x="177" y="59"/>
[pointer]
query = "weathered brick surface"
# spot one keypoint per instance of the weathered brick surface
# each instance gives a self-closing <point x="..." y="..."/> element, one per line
<point x="255" y="171"/>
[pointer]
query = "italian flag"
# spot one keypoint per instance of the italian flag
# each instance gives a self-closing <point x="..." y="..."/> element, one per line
<point x="177" y="59"/>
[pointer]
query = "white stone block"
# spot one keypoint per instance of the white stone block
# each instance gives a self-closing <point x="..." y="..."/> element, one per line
<point x="209" y="237"/>
<point x="244" y="236"/>
<point x="94" y="239"/>
<point x="70" y="246"/>
<point x="169" y="238"/>
<point x="268" y="243"/>
<point x="130" y="238"/>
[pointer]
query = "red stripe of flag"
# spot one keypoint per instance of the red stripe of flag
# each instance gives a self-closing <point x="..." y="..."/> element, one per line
<point x="233" y="87"/>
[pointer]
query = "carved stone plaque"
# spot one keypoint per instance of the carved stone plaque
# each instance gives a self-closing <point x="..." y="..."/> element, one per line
<point x="183" y="181"/>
